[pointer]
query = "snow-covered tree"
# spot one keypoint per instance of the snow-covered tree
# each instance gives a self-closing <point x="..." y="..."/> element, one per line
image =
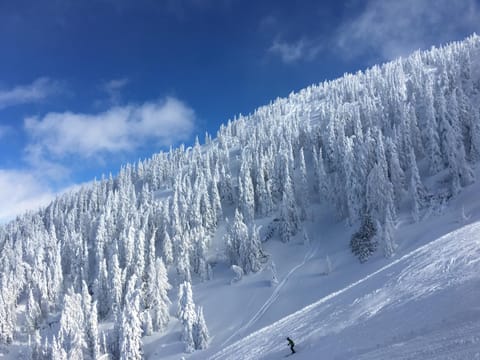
<point x="289" y="219"/>
<point x="32" y="312"/>
<point x="101" y="290"/>
<point x="238" y="271"/>
<point x="130" y="330"/>
<point x="71" y="335"/>
<point x="273" y="273"/>
<point x="167" y="248"/>
<point x="303" y="186"/>
<point x="156" y="296"/>
<point x="187" y="315"/>
<point x="200" y="331"/>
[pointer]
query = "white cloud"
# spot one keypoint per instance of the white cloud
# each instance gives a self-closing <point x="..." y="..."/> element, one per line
<point x="392" y="28"/>
<point x="37" y="91"/>
<point x="21" y="191"/>
<point x="121" y="128"/>
<point x="299" y="50"/>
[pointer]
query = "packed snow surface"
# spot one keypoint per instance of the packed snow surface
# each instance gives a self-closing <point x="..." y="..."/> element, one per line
<point x="422" y="306"/>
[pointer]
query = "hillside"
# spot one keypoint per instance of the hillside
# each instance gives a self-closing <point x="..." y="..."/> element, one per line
<point x="194" y="249"/>
<point x="423" y="304"/>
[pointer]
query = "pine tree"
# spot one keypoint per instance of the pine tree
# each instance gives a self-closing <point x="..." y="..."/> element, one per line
<point x="389" y="245"/>
<point x="186" y="314"/>
<point x="247" y="194"/>
<point x="303" y="186"/>
<point x="157" y="300"/>
<point x="200" y="331"/>
<point x="395" y="171"/>
<point x="116" y="285"/>
<point x="252" y="255"/>
<point x="235" y="238"/>
<point x="289" y="220"/>
<point x="167" y="248"/>
<point x="147" y="325"/>
<point x="32" y="312"/>
<point x="58" y="352"/>
<point x="273" y="272"/>
<point x="321" y="183"/>
<point x="36" y="345"/>
<point x="101" y="291"/>
<point x="71" y="335"/>
<point x="92" y="337"/>
<point x="379" y="193"/>
<point x="416" y="189"/>
<point x="363" y="243"/>
<point x="130" y="332"/>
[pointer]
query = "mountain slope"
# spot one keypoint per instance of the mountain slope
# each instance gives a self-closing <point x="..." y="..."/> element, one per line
<point x="422" y="305"/>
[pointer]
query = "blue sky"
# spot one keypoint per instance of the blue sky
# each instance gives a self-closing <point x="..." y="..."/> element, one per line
<point x="86" y="86"/>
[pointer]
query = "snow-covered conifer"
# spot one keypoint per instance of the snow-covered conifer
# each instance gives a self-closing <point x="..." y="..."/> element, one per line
<point x="156" y="297"/>
<point x="186" y="314"/>
<point x="395" y="171"/>
<point x="263" y="194"/>
<point x="32" y="312"/>
<point x="200" y="331"/>
<point x="235" y="238"/>
<point x="147" y="324"/>
<point x="388" y="241"/>
<point x="273" y="272"/>
<point x="130" y="331"/>
<point x="116" y="285"/>
<point x="238" y="271"/>
<point x="416" y="189"/>
<point x="289" y="220"/>
<point x="167" y="248"/>
<point x="247" y="194"/>
<point x="58" y="352"/>
<point x="71" y="335"/>
<point x="101" y="290"/>
<point x="303" y="186"/>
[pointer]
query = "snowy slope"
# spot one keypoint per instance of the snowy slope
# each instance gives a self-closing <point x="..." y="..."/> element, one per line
<point x="420" y="304"/>
<point x="423" y="305"/>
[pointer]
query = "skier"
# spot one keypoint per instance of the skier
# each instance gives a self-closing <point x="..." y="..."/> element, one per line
<point x="291" y="344"/>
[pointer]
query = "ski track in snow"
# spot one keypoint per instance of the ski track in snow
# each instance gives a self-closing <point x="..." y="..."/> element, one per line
<point x="451" y="343"/>
<point x="275" y="294"/>
<point x="448" y="262"/>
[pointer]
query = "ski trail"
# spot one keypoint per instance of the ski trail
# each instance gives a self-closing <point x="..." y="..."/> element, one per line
<point x="275" y="294"/>
<point x="417" y="275"/>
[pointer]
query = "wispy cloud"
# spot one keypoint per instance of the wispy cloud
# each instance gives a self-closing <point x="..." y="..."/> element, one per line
<point x="37" y="91"/>
<point x="290" y="52"/>
<point x="121" y="128"/>
<point x="390" y="28"/>
<point x="21" y="191"/>
<point x="113" y="89"/>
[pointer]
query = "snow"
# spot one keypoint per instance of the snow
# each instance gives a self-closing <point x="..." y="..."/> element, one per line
<point x="430" y="294"/>
<point x="423" y="303"/>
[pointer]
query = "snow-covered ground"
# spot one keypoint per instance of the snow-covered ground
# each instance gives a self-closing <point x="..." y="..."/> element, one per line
<point x="421" y="304"/>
